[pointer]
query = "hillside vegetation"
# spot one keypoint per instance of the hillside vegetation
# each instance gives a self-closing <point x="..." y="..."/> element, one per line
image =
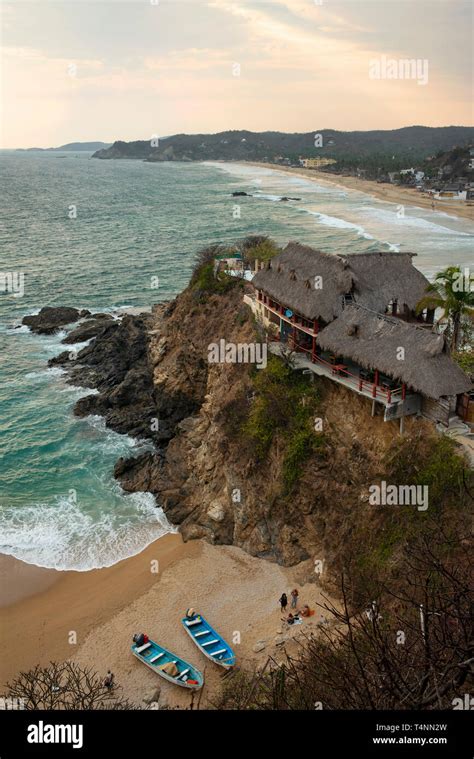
<point x="409" y="144"/>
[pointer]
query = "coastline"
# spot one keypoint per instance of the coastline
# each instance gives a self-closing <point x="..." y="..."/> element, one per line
<point x="380" y="191"/>
<point x="104" y="607"/>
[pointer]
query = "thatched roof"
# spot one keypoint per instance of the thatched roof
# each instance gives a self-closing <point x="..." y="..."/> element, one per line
<point x="373" y="341"/>
<point x="373" y="279"/>
<point x="290" y="279"/>
<point x="382" y="277"/>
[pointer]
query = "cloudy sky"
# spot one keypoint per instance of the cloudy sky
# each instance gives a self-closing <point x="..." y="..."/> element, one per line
<point x="111" y="69"/>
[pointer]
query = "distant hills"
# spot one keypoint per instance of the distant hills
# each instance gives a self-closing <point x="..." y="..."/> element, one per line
<point x="414" y="143"/>
<point x="75" y="146"/>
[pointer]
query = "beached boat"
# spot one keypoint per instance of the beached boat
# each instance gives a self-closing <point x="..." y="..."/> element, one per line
<point x="156" y="657"/>
<point x="207" y="640"/>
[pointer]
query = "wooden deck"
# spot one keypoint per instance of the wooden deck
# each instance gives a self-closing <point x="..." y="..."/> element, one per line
<point x="321" y="368"/>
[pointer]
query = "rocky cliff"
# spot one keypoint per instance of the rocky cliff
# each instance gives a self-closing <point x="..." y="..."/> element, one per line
<point x="222" y="479"/>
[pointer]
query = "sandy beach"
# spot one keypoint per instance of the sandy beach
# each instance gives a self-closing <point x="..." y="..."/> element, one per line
<point x="105" y="607"/>
<point x="382" y="191"/>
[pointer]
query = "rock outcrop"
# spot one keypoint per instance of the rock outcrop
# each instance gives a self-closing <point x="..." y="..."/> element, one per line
<point x="51" y="319"/>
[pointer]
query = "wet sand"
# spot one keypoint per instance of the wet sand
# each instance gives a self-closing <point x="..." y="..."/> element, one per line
<point x="382" y="191"/>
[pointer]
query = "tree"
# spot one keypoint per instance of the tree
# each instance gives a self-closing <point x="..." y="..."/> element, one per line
<point x="66" y="686"/>
<point x="258" y="247"/>
<point x="451" y="291"/>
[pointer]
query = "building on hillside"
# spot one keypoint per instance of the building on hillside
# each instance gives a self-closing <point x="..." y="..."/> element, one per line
<point x="316" y="163"/>
<point x="227" y="262"/>
<point x="352" y="318"/>
<point x="234" y="265"/>
<point x="451" y="192"/>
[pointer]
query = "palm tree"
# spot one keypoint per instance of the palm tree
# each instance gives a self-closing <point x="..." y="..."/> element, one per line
<point x="452" y="291"/>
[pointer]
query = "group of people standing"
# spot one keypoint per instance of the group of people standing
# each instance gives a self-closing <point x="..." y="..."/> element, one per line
<point x="305" y="611"/>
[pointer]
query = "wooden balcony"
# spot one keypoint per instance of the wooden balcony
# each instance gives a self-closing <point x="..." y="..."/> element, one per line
<point x="341" y="373"/>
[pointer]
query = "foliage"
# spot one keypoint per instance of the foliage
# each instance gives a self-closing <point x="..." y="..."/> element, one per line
<point x="205" y="282"/>
<point x="376" y="541"/>
<point x="452" y="293"/>
<point x="301" y="444"/>
<point x="262" y="250"/>
<point x="465" y="359"/>
<point x="285" y="403"/>
<point x="412" y="460"/>
<point x="65" y="685"/>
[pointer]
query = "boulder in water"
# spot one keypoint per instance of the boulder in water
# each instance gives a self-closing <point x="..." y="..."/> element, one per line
<point x="50" y="319"/>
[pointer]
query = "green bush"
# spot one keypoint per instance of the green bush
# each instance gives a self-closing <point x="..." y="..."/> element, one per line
<point x="262" y="251"/>
<point x="285" y="403"/>
<point x="442" y="472"/>
<point x="204" y="281"/>
<point x="465" y="359"/>
<point x="435" y="463"/>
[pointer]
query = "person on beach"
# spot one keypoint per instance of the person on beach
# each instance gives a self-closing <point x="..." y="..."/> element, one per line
<point x="306" y="611"/>
<point x="291" y="620"/>
<point x="294" y="598"/>
<point x="109" y="679"/>
<point x="283" y="601"/>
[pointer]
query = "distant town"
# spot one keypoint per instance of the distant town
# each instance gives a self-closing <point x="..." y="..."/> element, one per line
<point x="448" y="175"/>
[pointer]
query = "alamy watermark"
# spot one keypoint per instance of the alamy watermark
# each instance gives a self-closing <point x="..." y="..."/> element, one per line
<point x="465" y="703"/>
<point x="399" y="495"/>
<point x="8" y="703"/>
<point x="12" y="282"/>
<point x="46" y="733"/>
<point x="463" y="282"/>
<point x="237" y="353"/>
<point x="399" y="68"/>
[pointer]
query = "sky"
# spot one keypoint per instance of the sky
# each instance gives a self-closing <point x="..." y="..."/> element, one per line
<point x="75" y="70"/>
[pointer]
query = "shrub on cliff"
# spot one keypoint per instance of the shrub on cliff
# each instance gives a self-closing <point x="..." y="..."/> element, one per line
<point x="258" y="248"/>
<point x="205" y="282"/>
<point x="431" y="462"/>
<point x="378" y="538"/>
<point x="284" y="405"/>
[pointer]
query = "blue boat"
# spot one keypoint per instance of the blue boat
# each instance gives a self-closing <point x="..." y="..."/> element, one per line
<point x="156" y="657"/>
<point x="207" y="640"/>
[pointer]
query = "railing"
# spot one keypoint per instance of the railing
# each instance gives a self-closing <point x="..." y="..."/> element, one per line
<point x="354" y="380"/>
<point x="288" y="320"/>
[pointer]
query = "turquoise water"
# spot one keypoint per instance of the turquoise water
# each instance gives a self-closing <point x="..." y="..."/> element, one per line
<point x="59" y="504"/>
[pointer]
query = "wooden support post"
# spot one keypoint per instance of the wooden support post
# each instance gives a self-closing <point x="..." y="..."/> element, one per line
<point x="404" y="391"/>
<point x="376" y="382"/>
<point x="402" y="418"/>
<point x="373" y="409"/>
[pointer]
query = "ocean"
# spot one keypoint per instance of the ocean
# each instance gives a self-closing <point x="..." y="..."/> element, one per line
<point x="100" y="235"/>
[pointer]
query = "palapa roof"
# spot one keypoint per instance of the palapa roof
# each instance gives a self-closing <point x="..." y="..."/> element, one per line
<point x="373" y="341"/>
<point x="382" y="277"/>
<point x="373" y="279"/>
